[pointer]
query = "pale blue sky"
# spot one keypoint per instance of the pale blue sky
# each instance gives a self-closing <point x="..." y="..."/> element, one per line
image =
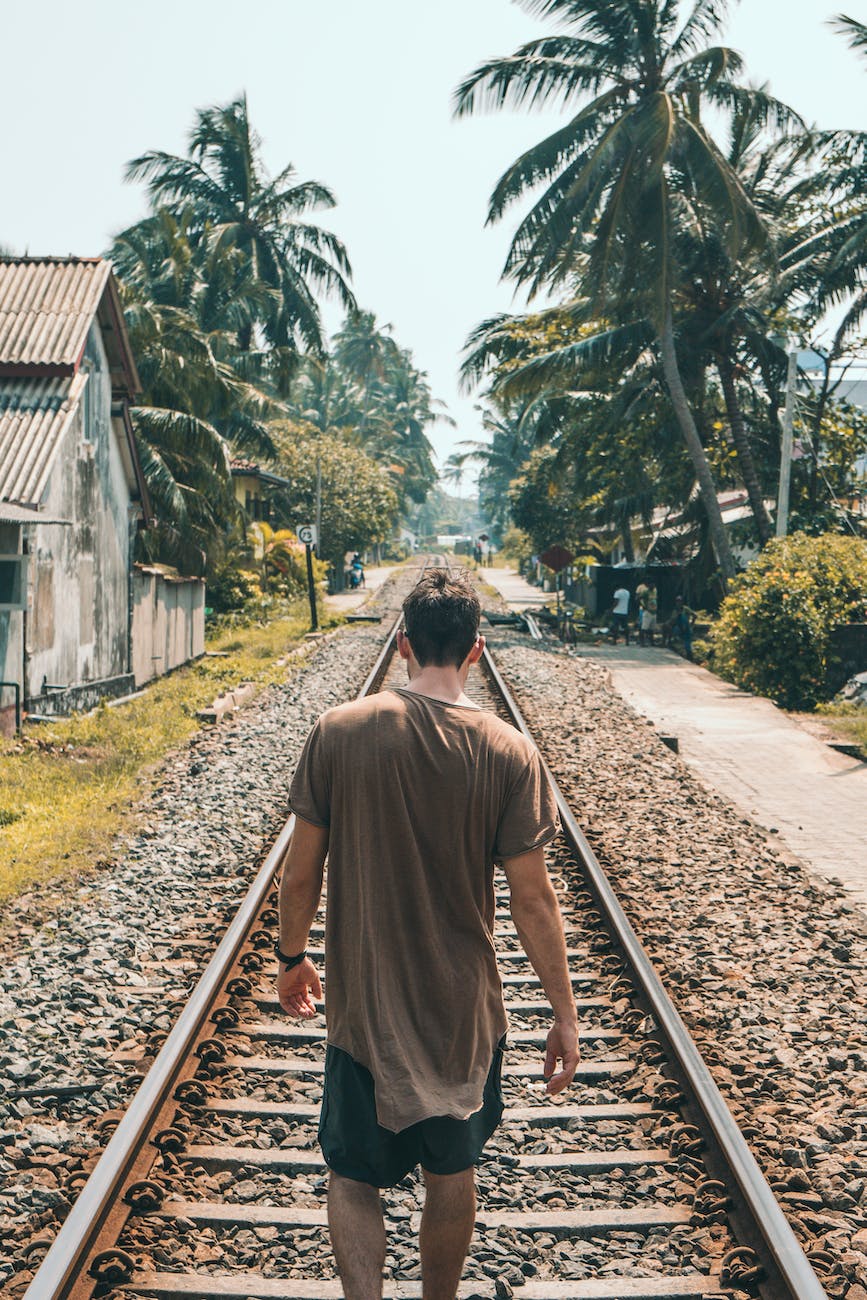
<point x="356" y="93"/>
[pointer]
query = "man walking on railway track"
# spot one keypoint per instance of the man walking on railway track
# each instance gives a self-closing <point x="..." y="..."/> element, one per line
<point x="415" y="793"/>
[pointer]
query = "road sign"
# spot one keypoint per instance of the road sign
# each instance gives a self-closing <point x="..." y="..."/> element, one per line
<point x="307" y="534"/>
<point x="556" y="558"/>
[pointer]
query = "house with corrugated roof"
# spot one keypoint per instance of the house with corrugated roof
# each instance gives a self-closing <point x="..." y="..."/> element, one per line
<point x="72" y="493"/>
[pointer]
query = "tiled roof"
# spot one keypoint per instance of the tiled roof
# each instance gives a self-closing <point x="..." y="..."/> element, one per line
<point x="34" y="414"/>
<point x="46" y="309"/>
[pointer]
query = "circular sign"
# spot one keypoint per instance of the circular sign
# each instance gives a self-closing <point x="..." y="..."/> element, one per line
<point x="307" y="534"/>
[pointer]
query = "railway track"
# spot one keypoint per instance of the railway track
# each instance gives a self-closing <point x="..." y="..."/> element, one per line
<point x="636" y="1184"/>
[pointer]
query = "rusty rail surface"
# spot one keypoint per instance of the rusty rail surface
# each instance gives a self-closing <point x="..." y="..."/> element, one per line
<point x="99" y="1213"/>
<point x="790" y="1275"/>
<point x="76" y="1243"/>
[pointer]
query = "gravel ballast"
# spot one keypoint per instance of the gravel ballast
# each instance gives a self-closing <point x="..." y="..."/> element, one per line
<point x="765" y="962"/>
<point x="108" y="972"/>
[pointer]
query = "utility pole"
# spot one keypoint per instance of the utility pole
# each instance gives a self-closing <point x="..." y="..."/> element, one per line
<point x="786" y="450"/>
<point x="318" y="498"/>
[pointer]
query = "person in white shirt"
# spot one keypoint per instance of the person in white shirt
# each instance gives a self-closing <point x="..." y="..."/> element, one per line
<point x="620" y="615"/>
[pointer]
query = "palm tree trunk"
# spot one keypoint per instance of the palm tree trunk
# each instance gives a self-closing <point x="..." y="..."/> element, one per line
<point x="626" y="537"/>
<point x="683" y="414"/>
<point x="744" y="451"/>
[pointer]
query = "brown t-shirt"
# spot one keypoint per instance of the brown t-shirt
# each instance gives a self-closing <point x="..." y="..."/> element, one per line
<point x="421" y="798"/>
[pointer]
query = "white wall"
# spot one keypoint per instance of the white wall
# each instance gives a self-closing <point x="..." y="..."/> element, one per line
<point x="168" y="622"/>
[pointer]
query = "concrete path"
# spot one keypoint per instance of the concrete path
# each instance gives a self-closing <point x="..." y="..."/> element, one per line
<point x="516" y="592"/>
<point x="348" y="602"/>
<point x="751" y="753"/>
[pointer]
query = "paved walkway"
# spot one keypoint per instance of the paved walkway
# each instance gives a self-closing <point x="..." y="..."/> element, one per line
<point x="751" y="753"/>
<point x="516" y="592"/>
<point x="349" y="601"/>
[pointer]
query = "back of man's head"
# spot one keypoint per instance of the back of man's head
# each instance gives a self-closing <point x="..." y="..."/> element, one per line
<point x="441" y="617"/>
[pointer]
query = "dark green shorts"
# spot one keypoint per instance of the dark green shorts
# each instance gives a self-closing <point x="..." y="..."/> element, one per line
<point x="357" y="1147"/>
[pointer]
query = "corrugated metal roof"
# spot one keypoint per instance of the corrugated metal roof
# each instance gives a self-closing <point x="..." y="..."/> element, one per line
<point x="34" y="415"/>
<point x="10" y="514"/>
<point x="46" y="308"/>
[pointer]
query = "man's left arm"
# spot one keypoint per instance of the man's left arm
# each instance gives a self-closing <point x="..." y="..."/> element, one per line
<point x="300" y="892"/>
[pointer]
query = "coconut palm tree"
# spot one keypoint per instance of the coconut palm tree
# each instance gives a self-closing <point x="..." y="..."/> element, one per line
<point x="636" y="79"/>
<point x="233" y="204"/>
<point x="363" y="350"/>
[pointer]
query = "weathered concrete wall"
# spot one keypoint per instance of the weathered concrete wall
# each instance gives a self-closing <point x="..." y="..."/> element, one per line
<point x="168" y="622"/>
<point x="78" y="626"/>
<point x="11" y="638"/>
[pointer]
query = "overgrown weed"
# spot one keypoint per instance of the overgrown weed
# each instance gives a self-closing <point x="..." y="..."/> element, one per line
<point x="69" y="786"/>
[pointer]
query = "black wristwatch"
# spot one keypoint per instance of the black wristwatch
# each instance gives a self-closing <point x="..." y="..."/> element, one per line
<point x="289" y="962"/>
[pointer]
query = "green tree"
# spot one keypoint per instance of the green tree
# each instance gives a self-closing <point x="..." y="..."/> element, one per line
<point x="773" y="633"/>
<point x="234" y="204"/>
<point x="359" y="506"/>
<point x="621" y="174"/>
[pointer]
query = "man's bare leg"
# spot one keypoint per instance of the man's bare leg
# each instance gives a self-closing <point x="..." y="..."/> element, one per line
<point x="446" y="1230"/>
<point x="357" y="1236"/>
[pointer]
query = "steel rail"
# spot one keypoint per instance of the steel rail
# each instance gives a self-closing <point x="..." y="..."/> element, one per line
<point x="76" y="1240"/>
<point x="73" y="1244"/>
<point x="776" y="1233"/>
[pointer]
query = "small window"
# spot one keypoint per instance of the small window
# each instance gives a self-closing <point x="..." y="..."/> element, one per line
<point x="13" y="582"/>
<point x="87" y="405"/>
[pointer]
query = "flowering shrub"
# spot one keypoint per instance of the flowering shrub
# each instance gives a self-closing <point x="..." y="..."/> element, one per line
<point x="773" y="631"/>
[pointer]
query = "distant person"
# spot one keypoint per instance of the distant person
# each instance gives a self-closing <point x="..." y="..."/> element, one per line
<point x="680" y="626"/>
<point x="647" y="614"/>
<point x="620" y="615"/>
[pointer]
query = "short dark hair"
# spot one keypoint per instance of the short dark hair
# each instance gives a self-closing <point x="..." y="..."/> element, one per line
<point x="441" y="618"/>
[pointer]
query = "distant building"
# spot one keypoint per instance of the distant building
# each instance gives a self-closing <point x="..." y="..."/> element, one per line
<point x="255" y="489"/>
<point x="72" y="493"/>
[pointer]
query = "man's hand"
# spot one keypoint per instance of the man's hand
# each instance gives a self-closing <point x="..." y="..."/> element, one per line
<point x="297" y="988"/>
<point x="562" y="1046"/>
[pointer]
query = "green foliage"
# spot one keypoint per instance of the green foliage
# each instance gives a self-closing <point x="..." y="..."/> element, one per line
<point x="220" y="286"/>
<point x="772" y="635"/>
<point x="517" y="547"/>
<point x="369" y="391"/>
<point x="359" y="506"/>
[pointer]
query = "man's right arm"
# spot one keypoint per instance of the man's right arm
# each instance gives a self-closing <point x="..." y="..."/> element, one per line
<point x="537" y="918"/>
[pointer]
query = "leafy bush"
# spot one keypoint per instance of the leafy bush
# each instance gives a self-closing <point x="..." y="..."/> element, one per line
<point x="773" y="631"/>
<point x="517" y="546"/>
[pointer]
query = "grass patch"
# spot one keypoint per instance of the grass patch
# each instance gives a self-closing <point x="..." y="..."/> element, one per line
<point x="67" y="786"/>
<point x="848" y="722"/>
